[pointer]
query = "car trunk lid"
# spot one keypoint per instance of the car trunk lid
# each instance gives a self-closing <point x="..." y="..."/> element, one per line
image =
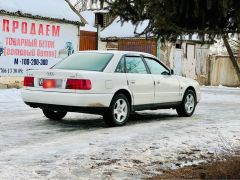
<point x="52" y="79"/>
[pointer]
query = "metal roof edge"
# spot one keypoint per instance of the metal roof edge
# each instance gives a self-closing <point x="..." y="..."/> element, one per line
<point x="26" y="15"/>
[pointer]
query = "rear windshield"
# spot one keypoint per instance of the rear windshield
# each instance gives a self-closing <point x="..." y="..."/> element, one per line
<point x="85" y="61"/>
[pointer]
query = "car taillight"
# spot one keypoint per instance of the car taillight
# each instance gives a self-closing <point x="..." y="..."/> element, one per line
<point x="79" y="84"/>
<point x="49" y="83"/>
<point x="28" y="81"/>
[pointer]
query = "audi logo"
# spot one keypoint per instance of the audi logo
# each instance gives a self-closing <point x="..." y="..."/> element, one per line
<point x="50" y="73"/>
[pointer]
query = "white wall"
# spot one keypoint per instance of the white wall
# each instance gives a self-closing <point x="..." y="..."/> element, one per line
<point x="189" y="61"/>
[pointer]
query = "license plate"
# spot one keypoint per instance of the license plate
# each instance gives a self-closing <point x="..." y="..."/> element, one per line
<point x="51" y="83"/>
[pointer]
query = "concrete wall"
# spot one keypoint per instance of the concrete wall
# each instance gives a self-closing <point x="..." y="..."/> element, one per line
<point x="11" y="82"/>
<point x="222" y="71"/>
<point x="102" y="45"/>
<point x="193" y="60"/>
<point x="188" y="60"/>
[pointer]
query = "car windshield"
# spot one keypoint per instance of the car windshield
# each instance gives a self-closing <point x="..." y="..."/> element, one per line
<point x="85" y="61"/>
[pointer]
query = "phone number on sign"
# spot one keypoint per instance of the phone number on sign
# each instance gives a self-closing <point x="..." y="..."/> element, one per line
<point x="32" y="62"/>
<point x="11" y="71"/>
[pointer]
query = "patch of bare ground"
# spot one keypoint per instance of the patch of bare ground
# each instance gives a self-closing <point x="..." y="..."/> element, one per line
<point x="219" y="169"/>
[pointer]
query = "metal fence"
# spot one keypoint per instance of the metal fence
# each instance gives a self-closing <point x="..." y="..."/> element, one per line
<point x="142" y="45"/>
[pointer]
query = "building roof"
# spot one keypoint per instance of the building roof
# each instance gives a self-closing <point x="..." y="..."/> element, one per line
<point x="59" y="10"/>
<point x="89" y="28"/>
<point x="119" y="30"/>
<point x="89" y="16"/>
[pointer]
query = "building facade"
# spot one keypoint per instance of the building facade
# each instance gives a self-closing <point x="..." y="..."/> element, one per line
<point x="37" y="35"/>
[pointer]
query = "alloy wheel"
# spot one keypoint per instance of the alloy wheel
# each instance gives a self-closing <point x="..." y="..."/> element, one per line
<point x="120" y="110"/>
<point x="189" y="103"/>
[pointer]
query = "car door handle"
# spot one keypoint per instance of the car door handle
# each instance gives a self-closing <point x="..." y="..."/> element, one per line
<point x="132" y="82"/>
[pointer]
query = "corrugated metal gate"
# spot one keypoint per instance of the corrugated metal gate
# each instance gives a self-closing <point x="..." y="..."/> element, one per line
<point x="142" y="45"/>
<point x="88" y="41"/>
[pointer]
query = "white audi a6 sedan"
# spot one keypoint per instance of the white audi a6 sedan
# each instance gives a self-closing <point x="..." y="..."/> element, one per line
<point x="109" y="83"/>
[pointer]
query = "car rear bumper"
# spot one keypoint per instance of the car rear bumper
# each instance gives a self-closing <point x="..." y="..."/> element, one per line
<point x="79" y="109"/>
<point x="66" y="99"/>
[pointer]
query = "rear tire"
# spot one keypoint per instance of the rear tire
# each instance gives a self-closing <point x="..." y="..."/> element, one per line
<point x="118" y="112"/>
<point x="188" y="104"/>
<point x="54" y="115"/>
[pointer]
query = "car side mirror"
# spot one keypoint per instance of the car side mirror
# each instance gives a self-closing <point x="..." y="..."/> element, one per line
<point x="172" y="72"/>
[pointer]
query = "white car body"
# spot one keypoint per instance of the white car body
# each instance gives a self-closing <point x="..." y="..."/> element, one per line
<point x="147" y="91"/>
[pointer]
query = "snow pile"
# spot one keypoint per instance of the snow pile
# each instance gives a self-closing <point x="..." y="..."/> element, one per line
<point x="125" y="30"/>
<point x="219" y="47"/>
<point x="10" y="95"/>
<point x="221" y="95"/>
<point x="57" y="9"/>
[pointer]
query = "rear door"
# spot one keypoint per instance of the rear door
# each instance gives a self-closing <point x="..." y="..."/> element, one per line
<point x="167" y="87"/>
<point x="140" y="81"/>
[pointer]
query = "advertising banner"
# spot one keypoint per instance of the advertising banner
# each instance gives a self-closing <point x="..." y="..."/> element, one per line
<point x="34" y="44"/>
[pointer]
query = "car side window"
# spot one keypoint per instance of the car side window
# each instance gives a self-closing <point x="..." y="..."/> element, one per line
<point x="121" y="66"/>
<point x="155" y="67"/>
<point x="135" y="65"/>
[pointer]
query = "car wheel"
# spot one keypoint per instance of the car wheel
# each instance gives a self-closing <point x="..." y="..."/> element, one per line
<point x="188" y="104"/>
<point x="118" y="112"/>
<point x="54" y="115"/>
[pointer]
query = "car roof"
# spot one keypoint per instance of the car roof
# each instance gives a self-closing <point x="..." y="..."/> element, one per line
<point x="120" y="52"/>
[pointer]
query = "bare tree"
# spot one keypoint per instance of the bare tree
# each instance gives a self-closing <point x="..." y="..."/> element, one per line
<point x="80" y="5"/>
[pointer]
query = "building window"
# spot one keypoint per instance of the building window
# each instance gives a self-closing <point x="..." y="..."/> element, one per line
<point x="178" y="46"/>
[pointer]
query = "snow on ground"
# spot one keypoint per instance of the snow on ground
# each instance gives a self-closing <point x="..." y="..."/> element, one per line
<point x="82" y="147"/>
<point x="58" y="9"/>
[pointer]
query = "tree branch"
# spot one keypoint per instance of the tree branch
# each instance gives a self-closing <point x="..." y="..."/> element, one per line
<point x="232" y="57"/>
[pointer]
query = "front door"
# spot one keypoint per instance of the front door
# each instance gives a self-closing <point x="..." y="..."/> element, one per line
<point x="167" y="87"/>
<point x="140" y="81"/>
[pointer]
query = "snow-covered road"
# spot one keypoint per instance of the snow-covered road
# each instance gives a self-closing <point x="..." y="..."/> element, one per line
<point x="82" y="147"/>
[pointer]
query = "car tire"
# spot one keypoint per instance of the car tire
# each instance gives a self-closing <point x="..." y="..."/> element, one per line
<point x="118" y="112"/>
<point x="54" y="115"/>
<point x="188" y="104"/>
